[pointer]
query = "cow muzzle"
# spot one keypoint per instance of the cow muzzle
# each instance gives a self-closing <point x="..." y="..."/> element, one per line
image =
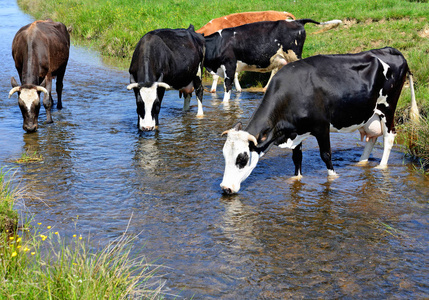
<point x="229" y="190"/>
<point x="30" y="127"/>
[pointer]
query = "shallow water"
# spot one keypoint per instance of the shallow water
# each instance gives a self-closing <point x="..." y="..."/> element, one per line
<point x="362" y="235"/>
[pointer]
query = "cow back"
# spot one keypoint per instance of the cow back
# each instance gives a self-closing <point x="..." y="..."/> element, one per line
<point x="237" y="19"/>
<point x="171" y="54"/>
<point x="40" y="48"/>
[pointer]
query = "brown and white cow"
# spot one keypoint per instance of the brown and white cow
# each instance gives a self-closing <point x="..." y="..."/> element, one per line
<point x="41" y="53"/>
<point x="238" y="19"/>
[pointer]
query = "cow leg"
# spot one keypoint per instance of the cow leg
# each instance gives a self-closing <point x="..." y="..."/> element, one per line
<point x="214" y="84"/>
<point x="160" y="92"/>
<point x="237" y="83"/>
<point x="230" y="69"/>
<point x="367" y="150"/>
<point x="199" y="95"/>
<point x="187" y="102"/>
<point x="388" y="140"/>
<point x="59" y="87"/>
<point x="48" y="101"/>
<point x="297" y="159"/>
<point x="273" y="72"/>
<point x="325" y="151"/>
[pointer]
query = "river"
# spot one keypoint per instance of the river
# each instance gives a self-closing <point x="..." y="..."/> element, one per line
<point x="362" y="235"/>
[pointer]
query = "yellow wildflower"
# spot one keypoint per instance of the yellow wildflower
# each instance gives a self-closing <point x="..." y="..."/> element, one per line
<point x="11" y="238"/>
<point x="56" y="232"/>
<point x="14" y="254"/>
<point x="49" y="227"/>
<point x="32" y="253"/>
<point x="39" y="223"/>
<point x="43" y="237"/>
<point x="26" y="249"/>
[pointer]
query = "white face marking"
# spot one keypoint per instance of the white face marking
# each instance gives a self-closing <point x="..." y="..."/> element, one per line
<point x="291" y="144"/>
<point x="385" y="67"/>
<point x="237" y="145"/>
<point x="149" y="96"/>
<point x="29" y="96"/>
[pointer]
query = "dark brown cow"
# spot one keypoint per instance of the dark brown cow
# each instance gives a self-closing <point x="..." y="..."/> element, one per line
<point x="41" y="52"/>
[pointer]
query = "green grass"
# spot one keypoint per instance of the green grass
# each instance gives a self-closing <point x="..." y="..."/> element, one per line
<point x="8" y="216"/>
<point x="114" y="27"/>
<point x="27" y="157"/>
<point x="38" y="263"/>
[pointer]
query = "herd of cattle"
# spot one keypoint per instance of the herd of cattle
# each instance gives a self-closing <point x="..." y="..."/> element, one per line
<point x="304" y="97"/>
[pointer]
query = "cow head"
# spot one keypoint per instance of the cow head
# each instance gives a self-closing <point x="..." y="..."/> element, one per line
<point x="29" y="102"/>
<point x="148" y="103"/>
<point x="240" y="156"/>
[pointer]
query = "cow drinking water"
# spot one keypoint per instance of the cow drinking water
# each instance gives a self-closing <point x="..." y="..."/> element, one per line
<point x="166" y="59"/>
<point x="316" y="96"/>
<point x="41" y="53"/>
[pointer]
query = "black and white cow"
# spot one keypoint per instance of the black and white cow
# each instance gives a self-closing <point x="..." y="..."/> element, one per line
<point x="313" y="97"/>
<point x="259" y="47"/>
<point x="166" y="59"/>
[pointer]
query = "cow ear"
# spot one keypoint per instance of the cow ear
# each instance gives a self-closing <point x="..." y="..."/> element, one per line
<point x="238" y="126"/>
<point x="13" y="82"/>
<point x="191" y="27"/>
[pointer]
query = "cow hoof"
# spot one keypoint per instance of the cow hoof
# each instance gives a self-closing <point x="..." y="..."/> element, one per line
<point x="200" y="116"/>
<point x="296" y="177"/>
<point x="362" y="162"/>
<point x="332" y="174"/>
<point x="381" y="167"/>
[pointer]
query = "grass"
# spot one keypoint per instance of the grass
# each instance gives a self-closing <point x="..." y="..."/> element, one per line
<point x="38" y="263"/>
<point x="29" y="158"/>
<point x="8" y="216"/>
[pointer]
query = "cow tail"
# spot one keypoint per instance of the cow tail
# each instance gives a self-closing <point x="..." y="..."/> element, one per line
<point x="414" y="111"/>
<point x="305" y="21"/>
<point x="332" y="24"/>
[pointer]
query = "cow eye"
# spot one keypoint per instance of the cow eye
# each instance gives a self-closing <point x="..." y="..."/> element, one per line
<point x="242" y="160"/>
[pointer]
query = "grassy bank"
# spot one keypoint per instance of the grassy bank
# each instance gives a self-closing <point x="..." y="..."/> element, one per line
<point x="38" y="263"/>
<point x="113" y="27"/>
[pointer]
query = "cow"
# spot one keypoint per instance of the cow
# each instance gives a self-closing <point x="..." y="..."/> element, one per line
<point x="313" y="97"/>
<point x="41" y="52"/>
<point x="259" y="47"/>
<point x="238" y="19"/>
<point x="166" y="59"/>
